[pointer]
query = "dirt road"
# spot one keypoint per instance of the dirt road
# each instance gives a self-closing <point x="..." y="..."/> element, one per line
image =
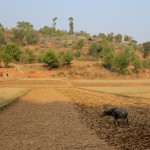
<point x="44" y="119"/>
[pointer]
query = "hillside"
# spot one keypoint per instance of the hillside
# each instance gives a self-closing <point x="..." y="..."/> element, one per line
<point x="49" y="52"/>
<point x="78" y="70"/>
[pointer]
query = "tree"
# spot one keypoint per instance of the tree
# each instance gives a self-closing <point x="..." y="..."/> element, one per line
<point x="21" y="31"/>
<point x="25" y="26"/>
<point x="146" y="49"/>
<point x="54" y="22"/>
<point x="127" y="38"/>
<point x="50" y="59"/>
<point x="102" y="36"/>
<point x="118" y="38"/>
<point x="71" y="25"/>
<point x="110" y="37"/>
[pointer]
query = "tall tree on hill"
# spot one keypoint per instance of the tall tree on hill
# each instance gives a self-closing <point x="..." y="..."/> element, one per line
<point x="71" y="25"/>
<point x="54" y="22"/>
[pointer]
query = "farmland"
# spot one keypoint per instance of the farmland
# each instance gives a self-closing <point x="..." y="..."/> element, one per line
<point x="65" y="114"/>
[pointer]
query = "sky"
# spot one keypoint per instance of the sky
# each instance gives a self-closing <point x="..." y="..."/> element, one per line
<point x="93" y="16"/>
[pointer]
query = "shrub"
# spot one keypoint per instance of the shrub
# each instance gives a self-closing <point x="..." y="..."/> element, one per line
<point x="32" y="37"/>
<point x="27" y="56"/>
<point x="97" y="50"/>
<point x="78" y="53"/>
<point x="123" y="60"/>
<point x="6" y="58"/>
<point x="50" y="58"/>
<point x="105" y="47"/>
<point x="93" y="50"/>
<point x="146" y="47"/>
<point x="146" y="64"/>
<point x="108" y="60"/>
<point x="13" y="50"/>
<point x="80" y="44"/>
<point x="2" y="39"/>
<point x="67" y="58"/>
<point x="137" y="64"/>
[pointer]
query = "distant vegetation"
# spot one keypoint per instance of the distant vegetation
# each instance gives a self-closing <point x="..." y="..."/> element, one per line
<point x="54" y="47"/>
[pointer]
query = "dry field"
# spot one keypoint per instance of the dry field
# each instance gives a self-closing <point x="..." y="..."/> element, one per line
<point x="63" y="116"/>
<point x="141" y="92"/>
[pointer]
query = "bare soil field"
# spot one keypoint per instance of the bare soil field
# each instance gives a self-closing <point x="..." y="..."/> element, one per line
<point x="45" y="119"/>
<point x="57" y="114"/>
<point x="90" y="106"/>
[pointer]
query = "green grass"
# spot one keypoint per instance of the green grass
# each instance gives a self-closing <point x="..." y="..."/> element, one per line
<point x="9" y="95"/>
<point x="142" y="92"/>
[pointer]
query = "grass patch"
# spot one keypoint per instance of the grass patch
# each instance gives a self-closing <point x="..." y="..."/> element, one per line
<point x="9" y="95"/>
<point x="141" y="92"/>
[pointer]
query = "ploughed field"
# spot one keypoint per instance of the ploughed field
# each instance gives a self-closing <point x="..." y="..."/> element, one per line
<point x="90" y="106"/>
<point x="67" y="115"/>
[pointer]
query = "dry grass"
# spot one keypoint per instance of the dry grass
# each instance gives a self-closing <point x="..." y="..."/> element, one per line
<point x="8" y="95"/>
<point x="141" y="92"/>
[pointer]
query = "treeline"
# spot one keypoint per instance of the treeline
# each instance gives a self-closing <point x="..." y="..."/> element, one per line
<point x="117" y="52"/>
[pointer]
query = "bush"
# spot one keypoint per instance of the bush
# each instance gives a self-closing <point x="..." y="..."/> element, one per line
<point x="50" y="58"/>
<point x="108" y="60"/>
<point x="123" y="60"/>
<point x="67" y="58"/>
<point x="13" y="50"/>
<point x="6" y="58"/>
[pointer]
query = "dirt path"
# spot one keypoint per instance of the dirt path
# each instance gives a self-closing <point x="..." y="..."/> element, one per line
<point x="45" y="120"/>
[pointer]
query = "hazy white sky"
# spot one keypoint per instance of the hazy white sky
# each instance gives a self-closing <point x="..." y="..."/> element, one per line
<point x="94" y="16"/>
